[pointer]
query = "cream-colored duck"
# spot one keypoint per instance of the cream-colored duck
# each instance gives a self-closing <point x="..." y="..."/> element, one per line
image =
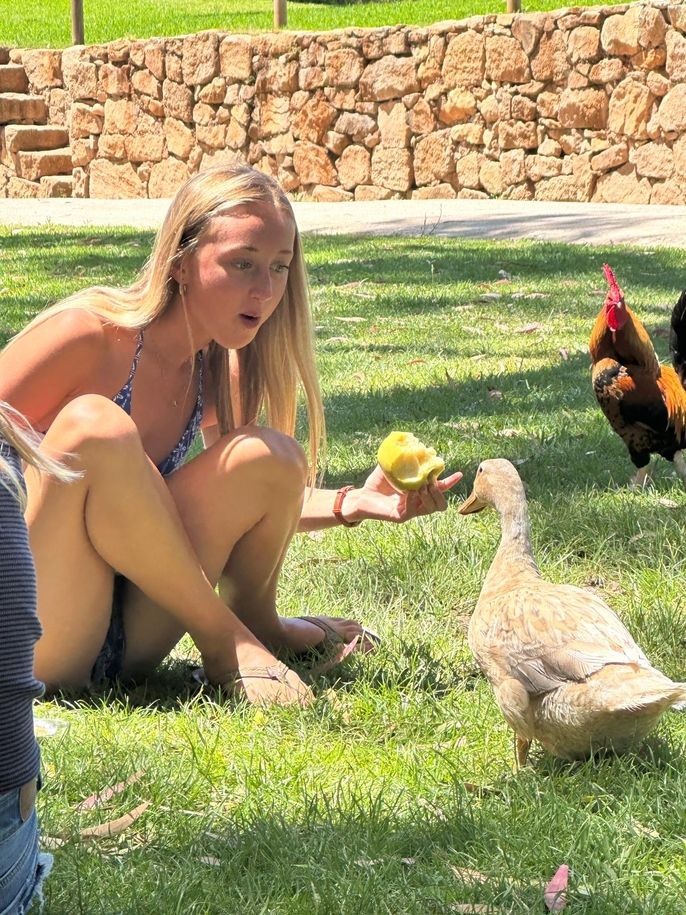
<point x="563" y="666"/>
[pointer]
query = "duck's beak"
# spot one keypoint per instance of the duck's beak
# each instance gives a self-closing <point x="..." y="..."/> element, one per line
<point x="471" y="505"/>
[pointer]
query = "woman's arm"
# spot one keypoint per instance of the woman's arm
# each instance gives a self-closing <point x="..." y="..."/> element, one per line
<point x="43" y="369"/>
<point x="376" y="500"/>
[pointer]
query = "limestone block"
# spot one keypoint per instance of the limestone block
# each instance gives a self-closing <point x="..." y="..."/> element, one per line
<point x="612" y="157"/>
<point x="679" y="150"/>
<point x="562" y="187"/>
<point x="658" y="84"/>
<point x="518" y="192"/>
<point x="110" y="180"/>
<point x="212" y="158"/>
<point x="653" y="160"/>
<point x="279" y="77"/>
<point x="370" y="192"/>
<point x="235" y="56"/>
<point x="200" y="58"/>
<point x="280" y="146"/>
<point x="677" y="16"/>
<point x="639" y="27"/>
<point x="86" y="119"/>
<point x="146" y="147"/>
<point x="312" y="78"/>
<point x="465" y="60"/>
<point x="421" y="119"/>
<point x="177" y="100"/>
<point x="630" y="108"/>
<point x="56" y="186"/>
<point x="434" y="158"/>
<point x="609" y="70"/>
<point x="517" y="135"/>
<point x="469" y="194"/>
<point x="354" y="167"/>
<point x="670" y="192"/>
<point x="491" y="177"/>
<point x="675" y="63"/>
<point x="22" y="187"/>
<point x="357" y="126"/>
<point x="583" y="43"/>
<point x="512" y="163"/>
<point x="144" y="82"/>
<point x="172" y="68"/>
<point x="112" y="146"/>
<point x="57" y="107"/>
<point x="622" y="186"/>
<point x="469" y="134"/>
<point x="43" y="68"/>
<point x="329" y="194"/>
<point x="523" y="109"/>
<point x="538" y="167"/>
<point x="83" y="151"/>
<point x="236" y="134"/>
<point x="586" y="108"/>
<point x="314" y="119"/>
<point x="550" y="147"/>
<point x="392" y="168"/>
<point x="393" y="126"/>
<point x="154" y="59"/>
<point x="468" y="169"/>
<point x="114" y="80"/>
<point x="387" y="78"/>
<point x="118" y="51"/>
<point x="649" y="59"/>
<point x="506" y="61"/>
<point x="166" y="178"/>
<point x="458" y="106"/>
<point x="80" y="76"/>
<point x="121" y="116"/>
<point x="435" y="192"/>
<point x="336" y="142"/>
<point x="274" y="115"/>
<point x="550" y="64"/>
<point x="313" y="165"/>
<point x="151" y="106"/>
<point x="672" y="110"/>
<point x="34" y="164"/>
<point x="211" y="135"/>
<point x="343" y="99"/>
<point x="527" y="30"/>
<point x="344" y="67"/>
<point x="490" y="109"/>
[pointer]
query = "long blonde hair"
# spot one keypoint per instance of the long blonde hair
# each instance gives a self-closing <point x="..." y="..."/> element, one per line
<point x="16" y="432"/>
<point x="279" y="359"/>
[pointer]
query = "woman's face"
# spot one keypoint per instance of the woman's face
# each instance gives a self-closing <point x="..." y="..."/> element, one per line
<point x="237" y="274"/>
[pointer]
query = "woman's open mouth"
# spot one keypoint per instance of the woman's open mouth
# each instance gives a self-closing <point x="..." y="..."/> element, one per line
<point x="250" y="320"/>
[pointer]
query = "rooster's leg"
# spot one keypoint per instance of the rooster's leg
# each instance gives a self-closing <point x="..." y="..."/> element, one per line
<point x="680" y="464"/>
<point x="641" y="478"/>
<point x="522" y="750"/>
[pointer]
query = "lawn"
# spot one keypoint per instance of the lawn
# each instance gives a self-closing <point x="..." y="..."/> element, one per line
<point x="397" y="784"/>
<point x="48" y="23"/>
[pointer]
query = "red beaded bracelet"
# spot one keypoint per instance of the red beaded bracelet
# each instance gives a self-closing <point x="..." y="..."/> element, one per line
<point x="338" y="504"/>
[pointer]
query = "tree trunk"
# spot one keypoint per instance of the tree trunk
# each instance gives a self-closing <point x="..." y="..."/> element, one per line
<point x="77" y="36"/>
<point x="280" y="14"/>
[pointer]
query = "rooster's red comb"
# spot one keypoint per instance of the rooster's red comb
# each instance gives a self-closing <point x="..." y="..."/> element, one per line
<point x="610" y="277"/>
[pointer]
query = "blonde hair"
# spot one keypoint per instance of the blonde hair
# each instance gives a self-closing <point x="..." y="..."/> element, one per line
<point x="279" y="359"/>
<point x="16" y="431"/>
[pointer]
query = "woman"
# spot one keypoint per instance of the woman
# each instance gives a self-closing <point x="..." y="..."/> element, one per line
<point x="213" y="335"/>
<point x="22" y="866"/>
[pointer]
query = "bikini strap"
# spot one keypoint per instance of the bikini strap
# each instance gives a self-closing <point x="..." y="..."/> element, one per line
<point x="136" y="357"/>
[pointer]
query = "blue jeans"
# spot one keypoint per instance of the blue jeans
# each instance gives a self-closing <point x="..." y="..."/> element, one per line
<point x="22" y="866"/>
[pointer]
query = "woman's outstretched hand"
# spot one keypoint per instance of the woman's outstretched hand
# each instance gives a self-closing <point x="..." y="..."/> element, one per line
<point x="380" y="501"/>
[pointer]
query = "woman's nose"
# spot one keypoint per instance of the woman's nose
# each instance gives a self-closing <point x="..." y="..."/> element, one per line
<point x="262" y="287"/>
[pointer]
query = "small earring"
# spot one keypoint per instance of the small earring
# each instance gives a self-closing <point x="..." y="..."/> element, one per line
<point x="184" y="289"/>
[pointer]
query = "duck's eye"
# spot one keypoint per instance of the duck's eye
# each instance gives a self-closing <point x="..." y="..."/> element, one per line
<point x="480" y="470"/>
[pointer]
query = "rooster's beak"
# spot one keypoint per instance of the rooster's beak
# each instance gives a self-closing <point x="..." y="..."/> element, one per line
<point x="471" y="505"/>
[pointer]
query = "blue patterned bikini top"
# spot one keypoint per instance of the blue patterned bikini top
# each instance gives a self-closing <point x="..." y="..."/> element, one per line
<point x="177" y="455"/>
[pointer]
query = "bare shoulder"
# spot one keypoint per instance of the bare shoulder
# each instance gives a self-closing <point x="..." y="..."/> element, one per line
<point x="74" y="327"/>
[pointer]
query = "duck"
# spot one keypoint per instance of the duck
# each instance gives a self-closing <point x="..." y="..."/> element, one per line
<point x="565" y="670"/>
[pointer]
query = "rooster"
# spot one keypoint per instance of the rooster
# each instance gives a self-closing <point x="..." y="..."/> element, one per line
<point x="645" y="402"/>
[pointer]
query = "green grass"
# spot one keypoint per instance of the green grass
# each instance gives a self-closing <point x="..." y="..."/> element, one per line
<point x="48" y="23"/>
<point x="400" y="774"/>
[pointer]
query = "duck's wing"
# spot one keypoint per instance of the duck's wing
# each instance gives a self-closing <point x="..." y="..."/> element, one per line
<point x="547" y="635"/>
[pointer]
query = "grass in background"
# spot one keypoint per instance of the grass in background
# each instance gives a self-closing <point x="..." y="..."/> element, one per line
<point x="48" y="23"/>
<point x="399" y="778"/>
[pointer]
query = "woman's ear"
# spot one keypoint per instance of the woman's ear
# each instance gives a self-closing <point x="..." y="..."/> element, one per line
<point x="179" y="269"/>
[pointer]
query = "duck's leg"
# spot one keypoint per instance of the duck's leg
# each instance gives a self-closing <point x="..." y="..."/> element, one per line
<point x="680" y="465"/>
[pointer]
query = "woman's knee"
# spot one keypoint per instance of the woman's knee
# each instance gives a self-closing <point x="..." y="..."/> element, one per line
<point x="266" y="453"/>
<point x="92" y="419"/>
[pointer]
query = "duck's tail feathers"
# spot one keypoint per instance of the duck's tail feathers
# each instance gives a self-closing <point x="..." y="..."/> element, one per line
<point x="677" y="338"/>
<point x="680" y="704"/>
<point x="646" y="689"/>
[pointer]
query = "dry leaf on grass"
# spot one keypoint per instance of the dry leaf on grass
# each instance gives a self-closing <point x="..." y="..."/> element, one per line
<point x="114" y="827"/>
<point x="506" y="433"/>
<point x="417" y="362"/>
<point x="490" y="296"/>
<point x="350" y="319"/>
<point x="668" y="503"/>
<point x="529" y="328"/>
<point x="494" y="394"/>
<point x="210" y="860"/>
<point x="337" y="339"/>
<point x="468" y="874"/>
<point x="94" y="800"/>
<point x="564" y="354"/>
<point x="473" y="908"/>
<point x="555" y="893"/>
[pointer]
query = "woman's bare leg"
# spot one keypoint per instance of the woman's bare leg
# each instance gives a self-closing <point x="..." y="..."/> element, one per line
<point x="119" y="516"/>
<point x="240" y="503"/>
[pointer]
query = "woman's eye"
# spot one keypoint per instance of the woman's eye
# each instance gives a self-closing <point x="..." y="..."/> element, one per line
<point x="281" y="268"/>
<point x="242" y="265"/>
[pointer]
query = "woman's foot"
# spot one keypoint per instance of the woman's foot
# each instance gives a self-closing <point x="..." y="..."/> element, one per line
<point x="304" y="633"/>
<point x="260" y="679"/>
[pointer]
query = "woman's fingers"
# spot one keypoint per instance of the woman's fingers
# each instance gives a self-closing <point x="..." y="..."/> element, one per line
<point x="448" y="483"/>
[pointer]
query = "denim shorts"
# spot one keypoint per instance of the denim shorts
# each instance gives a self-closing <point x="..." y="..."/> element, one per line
<point x="22" y="866"/>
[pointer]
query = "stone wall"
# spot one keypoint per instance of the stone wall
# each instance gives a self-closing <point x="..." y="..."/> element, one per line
<point x="582" y="104"/>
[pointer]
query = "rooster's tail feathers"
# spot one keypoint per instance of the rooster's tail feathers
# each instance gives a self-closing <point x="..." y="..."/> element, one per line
<point x="677" y="338"/>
